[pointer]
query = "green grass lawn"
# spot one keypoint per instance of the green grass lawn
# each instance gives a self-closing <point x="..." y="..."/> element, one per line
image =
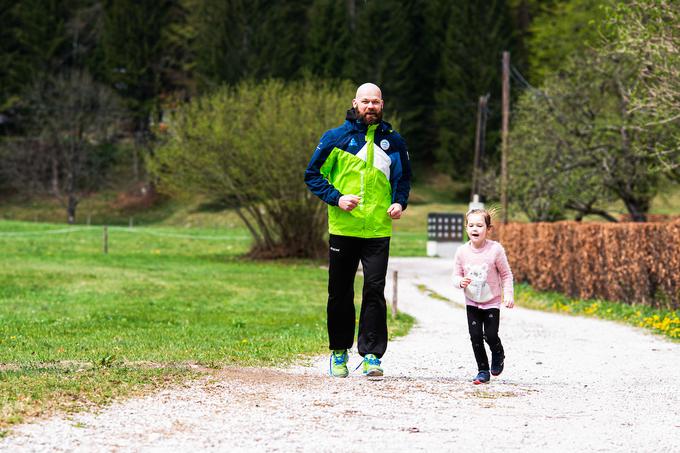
<point x="79" y="327"/>
<point x="432" y="193"/>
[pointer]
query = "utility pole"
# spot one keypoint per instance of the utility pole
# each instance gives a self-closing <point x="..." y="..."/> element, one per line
<point x="479" y="144"/>
<point x="504" y="135"/>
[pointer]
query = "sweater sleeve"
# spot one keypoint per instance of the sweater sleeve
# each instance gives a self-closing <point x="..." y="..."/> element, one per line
<point x="458" y="272"/>
<point x="506" y="274"/>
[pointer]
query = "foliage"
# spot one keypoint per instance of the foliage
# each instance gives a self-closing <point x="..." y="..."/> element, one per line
<point x="590" y="145"/>
<point x="156" y="54"/>
<point x="648" y="32"/>
<point x="135" y="71"/>
<point x="238" y="40"/>
<point x="250" y="144"/>
<point x="561" y="29"/>
<point x="328" y="40"/>
<point x="476" y="35"/>
<point x="66" y="153"/>
<point x="34" y="45"/>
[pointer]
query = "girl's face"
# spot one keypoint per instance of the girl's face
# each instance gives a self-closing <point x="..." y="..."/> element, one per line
<point x="476" y="229"/>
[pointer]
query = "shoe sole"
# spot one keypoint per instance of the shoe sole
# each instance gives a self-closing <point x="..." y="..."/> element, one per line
<point x="374" y="373"/>
<point x="476" y="382"/>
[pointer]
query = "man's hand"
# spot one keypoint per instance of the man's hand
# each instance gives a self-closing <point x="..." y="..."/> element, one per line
<point x="395" y="211"/>
<point x="465" y="282"/>
<point x="348" y="202"/>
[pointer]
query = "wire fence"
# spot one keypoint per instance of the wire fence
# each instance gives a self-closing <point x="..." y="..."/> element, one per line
<point x="127" y="230"/>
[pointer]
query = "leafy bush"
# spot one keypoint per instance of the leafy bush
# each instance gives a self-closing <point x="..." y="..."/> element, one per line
<point x="250" y="144"/>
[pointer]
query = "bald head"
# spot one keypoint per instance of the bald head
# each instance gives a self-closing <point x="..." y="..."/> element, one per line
<point x="368" y="103"/>
<point x="368" y="89"/>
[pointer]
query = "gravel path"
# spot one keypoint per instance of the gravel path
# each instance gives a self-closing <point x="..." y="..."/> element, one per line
<point x="570" y="384"/>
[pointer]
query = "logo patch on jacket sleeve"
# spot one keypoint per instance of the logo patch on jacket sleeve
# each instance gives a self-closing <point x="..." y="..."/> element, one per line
<point x="384" y="144"/>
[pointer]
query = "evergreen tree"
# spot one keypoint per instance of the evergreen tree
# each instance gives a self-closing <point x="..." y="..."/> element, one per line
<point x="328" y="39"/>
<point x="34" y="43"/>
<point x="132" y="51"/>
<point x="222" y="41"/>
<point x="386" y="49"/>
<point x="237" y="39"/>
<point x="10" y="79"/>
<point x="279" y="39"/>
<point x="476" y="35"/>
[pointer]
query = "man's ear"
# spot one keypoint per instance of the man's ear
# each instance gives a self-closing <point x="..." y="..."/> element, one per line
<point x="354" y="103"/>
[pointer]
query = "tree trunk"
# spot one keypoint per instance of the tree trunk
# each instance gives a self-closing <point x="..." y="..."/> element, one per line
<point x="637" y="209"/>
<point x="71" y="209"/>
<point x="55" y="176"/>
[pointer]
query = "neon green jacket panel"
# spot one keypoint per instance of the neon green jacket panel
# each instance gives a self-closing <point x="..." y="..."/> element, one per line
<point x="352" y="175"/>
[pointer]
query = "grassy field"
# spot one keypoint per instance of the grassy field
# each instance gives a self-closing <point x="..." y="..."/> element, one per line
<point x="79" y="327"/>
<point x="432" y="193"/>
<point x="174" y="298"/>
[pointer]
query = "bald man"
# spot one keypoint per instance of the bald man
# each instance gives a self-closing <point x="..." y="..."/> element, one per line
<point x="361" y="170"/>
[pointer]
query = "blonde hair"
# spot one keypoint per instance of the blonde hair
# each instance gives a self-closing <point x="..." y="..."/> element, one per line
<point x="486" y="213"/>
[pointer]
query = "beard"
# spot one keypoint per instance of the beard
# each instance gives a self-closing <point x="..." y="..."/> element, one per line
<point x="369" y="118"/>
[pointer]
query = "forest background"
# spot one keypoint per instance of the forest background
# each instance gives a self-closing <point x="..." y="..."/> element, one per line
<point x="112" y="73"/>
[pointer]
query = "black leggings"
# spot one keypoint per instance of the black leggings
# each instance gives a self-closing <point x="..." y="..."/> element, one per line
<point x="483" y="325"/>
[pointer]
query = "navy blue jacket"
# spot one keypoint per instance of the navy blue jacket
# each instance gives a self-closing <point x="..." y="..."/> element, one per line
<point x="351" y="137"/>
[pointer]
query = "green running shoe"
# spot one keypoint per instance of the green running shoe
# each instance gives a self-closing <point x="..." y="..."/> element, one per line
<point x="372" y="365"/>
<point x="338" y="365"/>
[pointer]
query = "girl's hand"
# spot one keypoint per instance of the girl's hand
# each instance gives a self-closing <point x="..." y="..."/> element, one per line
<point x="465" y="282"/>
<point x="510" y="303"/>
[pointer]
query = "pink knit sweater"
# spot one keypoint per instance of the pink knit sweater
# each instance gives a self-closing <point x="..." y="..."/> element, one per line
<point x="490" y="273"/>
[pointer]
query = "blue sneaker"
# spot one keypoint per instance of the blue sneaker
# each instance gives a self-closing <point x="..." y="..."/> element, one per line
<point x="372" y="365"/>
<point x="338" y="365"/>
<point x="482" y="377"/>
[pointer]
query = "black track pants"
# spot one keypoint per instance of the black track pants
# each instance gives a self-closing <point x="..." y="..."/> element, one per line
<point x="344" y="255"/>
<point x="483" y="325"/>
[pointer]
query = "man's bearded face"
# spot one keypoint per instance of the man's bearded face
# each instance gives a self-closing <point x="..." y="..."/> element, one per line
<point x="369" y="109"/>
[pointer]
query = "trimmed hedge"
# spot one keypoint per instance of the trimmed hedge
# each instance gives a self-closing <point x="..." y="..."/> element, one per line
<point x="636" y="263"/>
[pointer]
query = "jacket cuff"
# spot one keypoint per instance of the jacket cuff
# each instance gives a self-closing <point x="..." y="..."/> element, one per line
<point x="335" y="198"/>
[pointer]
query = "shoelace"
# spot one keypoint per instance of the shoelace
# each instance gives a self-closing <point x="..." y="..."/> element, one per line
<point x="338" y="359"/>
<point x="371" y="361"/>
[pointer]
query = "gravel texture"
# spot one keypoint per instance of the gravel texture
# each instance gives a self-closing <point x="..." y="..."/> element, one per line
<point x="570" y="384"/>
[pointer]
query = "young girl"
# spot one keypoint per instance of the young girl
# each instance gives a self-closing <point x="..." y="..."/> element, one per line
<point x="482" y="270"/>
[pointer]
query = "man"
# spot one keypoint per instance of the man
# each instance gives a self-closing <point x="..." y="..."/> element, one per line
<point x="362" y="171"/>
